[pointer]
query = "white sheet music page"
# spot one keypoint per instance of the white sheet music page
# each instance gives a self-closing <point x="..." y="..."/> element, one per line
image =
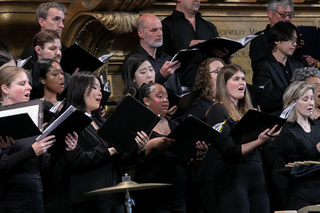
<point x="33" y="112"/>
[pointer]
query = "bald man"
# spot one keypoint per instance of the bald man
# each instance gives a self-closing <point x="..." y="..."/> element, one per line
<point x="149" y="30"/>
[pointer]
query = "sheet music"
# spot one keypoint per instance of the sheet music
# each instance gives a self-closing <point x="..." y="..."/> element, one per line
<point x="56" y="123"/>
<point x="33" y="112"/>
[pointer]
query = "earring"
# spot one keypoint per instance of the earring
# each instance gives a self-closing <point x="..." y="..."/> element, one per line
<point x="8" y="96"/>
<point x="134" y="81"/>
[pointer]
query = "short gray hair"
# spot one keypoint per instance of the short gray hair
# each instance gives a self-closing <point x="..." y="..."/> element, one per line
<point x="301" y="74"/>
<point x="42" y="11"/>
<point x="274" y="4"/>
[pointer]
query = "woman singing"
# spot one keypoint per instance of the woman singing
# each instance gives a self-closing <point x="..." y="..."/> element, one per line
<point x="239" y="176"/>
<point x="47" y="82"/>
<point x="299" y="141"/>
<point x="160" y="165"/>
<point x="94" y="162"/>
<point x="21" y="162"/>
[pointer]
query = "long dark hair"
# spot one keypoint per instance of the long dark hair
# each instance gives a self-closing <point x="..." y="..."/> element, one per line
<point x="133" y="62"/>
<point x="40" y="70"/>
<point x="77" y="89"/>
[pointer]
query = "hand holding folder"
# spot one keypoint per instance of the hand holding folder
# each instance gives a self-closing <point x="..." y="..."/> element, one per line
<point x="187" y="134"/>
<point x="72" y="120"/>
<point x="254" y="122"/>
<point x="121" y="127"/>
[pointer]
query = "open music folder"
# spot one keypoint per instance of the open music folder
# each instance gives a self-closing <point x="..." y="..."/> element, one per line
<point x="121" y="127"/>
<point x="185" y="57"/>
<point x="21" y="120"/>
<point x="187" y="134"/>
<point x="253" y="123"/>
<point x="71" y="120"/>
<point x="77" y="57"/>
<point x="218" y="43"/>
<point x="183" y="102"/>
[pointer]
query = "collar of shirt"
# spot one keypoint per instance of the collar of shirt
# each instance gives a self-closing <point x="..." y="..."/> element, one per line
<point x="310" y="120"/>
<point x="179" y="14"/>
<point x="145" y="53"/>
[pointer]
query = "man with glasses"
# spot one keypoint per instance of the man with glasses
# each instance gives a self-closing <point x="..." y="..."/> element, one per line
<point x="278" y="66"/>
<point x="277" y="10"/>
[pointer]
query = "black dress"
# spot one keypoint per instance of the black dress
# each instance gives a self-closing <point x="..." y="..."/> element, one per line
<point x="20" y="175"/>
<point x="297" y="145"/>
<point x="240" y="180"/>
<point x="161" y="166"/>
<point x="92" y="167"/>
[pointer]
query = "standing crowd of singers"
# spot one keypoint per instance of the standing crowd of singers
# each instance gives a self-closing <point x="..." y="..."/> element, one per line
<point x="228" y="175"/>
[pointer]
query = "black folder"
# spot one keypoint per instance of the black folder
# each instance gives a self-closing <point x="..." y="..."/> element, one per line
<point x="184" y="56"/>
<point x="183" y="102"/>
<point x="233" y="46"/>
<point x="187" y="134"/>
<point x="77" y="57"/>
<point x="253" y="123"/>
<point x="18" y="126"/>
<point x="35" y="107"/>
<point x="121" y="127"/>
<point x="75" y="122"/>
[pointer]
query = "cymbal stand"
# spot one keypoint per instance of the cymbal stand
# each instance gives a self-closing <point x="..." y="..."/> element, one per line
<point x="128" y="201"/>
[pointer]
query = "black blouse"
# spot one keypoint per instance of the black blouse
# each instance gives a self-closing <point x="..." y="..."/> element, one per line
<point x="229" y="149"/>
<point x="297" y="145"/>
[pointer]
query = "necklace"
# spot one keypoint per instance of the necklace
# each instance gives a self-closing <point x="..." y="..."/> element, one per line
<point x="161" y="122"/>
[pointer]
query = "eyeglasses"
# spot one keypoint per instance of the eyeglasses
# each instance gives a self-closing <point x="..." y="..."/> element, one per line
<point x="285" y="14"/>
<point x="216" y="70"/>
<point x="294" y="40"/>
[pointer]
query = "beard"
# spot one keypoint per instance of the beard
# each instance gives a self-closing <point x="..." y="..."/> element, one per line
<point x="154" y="44"/>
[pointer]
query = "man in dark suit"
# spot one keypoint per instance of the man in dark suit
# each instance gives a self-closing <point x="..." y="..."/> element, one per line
<point x="278" y="66"/>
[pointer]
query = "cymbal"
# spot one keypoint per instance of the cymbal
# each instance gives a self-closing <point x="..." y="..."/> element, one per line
<point x="123" y="186"/>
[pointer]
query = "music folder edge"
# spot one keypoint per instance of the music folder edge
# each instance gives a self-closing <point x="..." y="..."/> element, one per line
<point x="72" y="120"/>
<point x="187" y="134"/>
<point x="253" y="123"/>
<point x="121" y="127"/>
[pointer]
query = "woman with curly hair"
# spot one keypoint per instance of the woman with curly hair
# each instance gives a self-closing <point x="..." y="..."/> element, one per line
<point x="205" y="79"/>
<point x="203" y="184"/>
<point x="312" y="76"/>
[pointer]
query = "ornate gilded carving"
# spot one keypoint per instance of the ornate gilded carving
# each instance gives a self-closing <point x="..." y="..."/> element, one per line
<point x="110" y="5"/>
<point x="117" y="22"/>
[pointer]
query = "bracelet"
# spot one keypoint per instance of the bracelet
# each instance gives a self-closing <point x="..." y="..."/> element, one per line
<point x="200" y="158"/>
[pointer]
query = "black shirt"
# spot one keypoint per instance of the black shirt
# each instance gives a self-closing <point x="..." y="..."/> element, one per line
<point x="161" y="166"/>
<point x="178" y="33"/>
<point x="229" y="148"/>
<point x="297" y="145"/>
<point x="287" y="71"/>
